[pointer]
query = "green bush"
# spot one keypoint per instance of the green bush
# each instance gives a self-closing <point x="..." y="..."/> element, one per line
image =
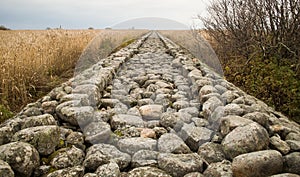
<point x="277" y="85"/>
<point x="5" y="113"/>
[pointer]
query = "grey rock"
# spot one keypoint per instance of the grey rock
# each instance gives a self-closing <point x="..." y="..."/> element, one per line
<point x="221" y="89"/>
<point x="291" y="163"/>
<point x="206" y="97"/>
<point x="105" y="102"/>
<point x="102" y="115"/>
<point x="163" y="91"/>
<point x="294" y="145"/>
<point x="145" y="101"/>
<point x="22" y="157"/>
<point x="93" y="92"/>
<point x="133" y="145"/>
<point x="184" y="88"/>
<point x="120" y="108"/>
<point x="43" y="138"/>
<point x="68" y="89"/>
<point x="169" y="119"/>
<point x="42" y="170"/>
<point x="82" y="98"/>
<point x="32" y="111"/>
<point x="76" y="115"/>
<point x="180" y="105"/>
<point x="97" y="132"/>
<point x="163" y="84"/>
<point x="144" y="158"/>
<point x="261" y="163"/>
<point x="151" y="112"/>
<point x="184" y="117"/>
<point x="159" y="131"/>
<point x="171" y="143"/>
<point x="45" y="119"/>
<point x="211" y="152"/>
<point x="77" y="171"/>
<point x="67" y="157"/>
<point x="152" y="124"/>
<point x="195" y="136"/>
<point x="200" y="122"/>
<point x="195" y="74"/>
<point x="229" y="123"/>
<point x="207" y="89"/>
<point x="194" y="112"/>
<point x="148" y="94"/>
<point x="152" y="88"/>
<point x="219" y="169"/>
<point x="248" y="138"/>
<point x="76" y="139"/>
<point x="100" y="154"/>
<point x="210" y="105"/>
<point x="108" y="170"/>
<point x="293" y="136"/>
<point x="122" y="120"/>
<point x="229" y="96"/>
<point x="148" y="171"/>
<point x="134" y="111"/>
<point x="180" y="164"/>
<point x="5" y="170"/>
<point x="233" y="109"/>
<point x="280" y="145"/>
<point x="258" y="117"/>
<point x="49" y="106"/>
<point x="6" y="134"/>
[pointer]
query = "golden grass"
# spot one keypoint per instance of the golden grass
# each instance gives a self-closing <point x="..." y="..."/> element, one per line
<point x="32" y="62"/>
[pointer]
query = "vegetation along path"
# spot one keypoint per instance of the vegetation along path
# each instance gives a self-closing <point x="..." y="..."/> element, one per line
<point x="150" y="109"/>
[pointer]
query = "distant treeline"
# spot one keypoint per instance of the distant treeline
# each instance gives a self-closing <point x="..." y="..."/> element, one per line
<point x="2" y="27"/>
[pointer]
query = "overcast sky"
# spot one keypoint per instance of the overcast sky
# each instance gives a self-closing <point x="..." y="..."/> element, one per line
<point x="81" y="14"/>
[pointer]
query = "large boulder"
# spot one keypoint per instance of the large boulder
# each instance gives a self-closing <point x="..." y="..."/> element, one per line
<point x="42" y="120"/>
<point x="256" y="164"/>
<point x="133" y="145"/>
<point x="211" y="152"/>
<point x="100" y="154"/>
<point x="151" y="112"/>
<point x="67" y="157"/>
<point x="171" y="143"/>
<point x="195" y="136"/>
<point x="121" y="120"/>
<point x="97" y="132"/>
<point x="248" y="138"/>
<point x="43" y="138"/>
<point x="76" y="115"/>
<point x="144" y="158"/>
<point x="229" y="123"/>
<point x="22" y="157"/>
<point x="180" y="164"/>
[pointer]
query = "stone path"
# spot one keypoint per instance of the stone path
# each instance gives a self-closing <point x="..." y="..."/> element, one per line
<point x="150" y="109"/>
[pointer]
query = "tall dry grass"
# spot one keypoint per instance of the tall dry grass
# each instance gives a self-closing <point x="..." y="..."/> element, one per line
<point x="32" y="62"/>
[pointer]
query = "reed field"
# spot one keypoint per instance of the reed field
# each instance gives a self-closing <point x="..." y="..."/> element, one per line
<point x="32" y="62"/>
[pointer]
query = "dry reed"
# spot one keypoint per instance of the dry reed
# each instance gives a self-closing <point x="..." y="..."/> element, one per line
<point x="32" y="62"/>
